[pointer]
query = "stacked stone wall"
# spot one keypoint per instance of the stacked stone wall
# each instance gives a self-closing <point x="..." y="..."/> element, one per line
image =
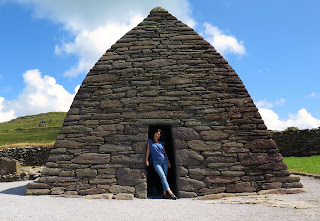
<point x="28" y="156"/>
<point x="298" y="143"/>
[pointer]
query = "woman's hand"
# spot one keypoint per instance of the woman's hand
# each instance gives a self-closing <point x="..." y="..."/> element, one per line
<point x="147" y="163"/>
<point x="169" y="164"/>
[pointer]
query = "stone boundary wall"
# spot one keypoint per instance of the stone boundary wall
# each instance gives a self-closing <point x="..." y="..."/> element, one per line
<point x="28" y="156"/>
<point x="298" y="143"/>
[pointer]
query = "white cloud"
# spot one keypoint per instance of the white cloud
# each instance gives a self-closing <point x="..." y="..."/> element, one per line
<point x="96" y="25"/>
<point x="41" y="94"/>
<point x="76" y="89"/>
<point x="5" y="115"/>
<point x="89" y="15"/>
<point x="89" y="46"/>
<point x="266" y="104"/>
<point x="313" y="94"/>
<point x="303" y="120"/>
<point x="271" y="119"/>
<point x="223" y="43"/>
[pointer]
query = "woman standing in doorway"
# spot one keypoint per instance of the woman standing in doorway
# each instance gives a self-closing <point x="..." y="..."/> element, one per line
<point x="160" y="162"/>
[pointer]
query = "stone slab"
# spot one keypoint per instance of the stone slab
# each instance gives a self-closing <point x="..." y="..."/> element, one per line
<point x="283" y="191"/>
<point x="36" y="185"/>
<point x="123" y="196"/>
<point x="37" y="192"/>
<point x="108" y="196"/>
<point x="210" y="197"/>
<point x="92" y="158"/>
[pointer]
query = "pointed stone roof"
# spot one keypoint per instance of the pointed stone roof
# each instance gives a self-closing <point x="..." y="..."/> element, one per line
<point x="163" y="73"/>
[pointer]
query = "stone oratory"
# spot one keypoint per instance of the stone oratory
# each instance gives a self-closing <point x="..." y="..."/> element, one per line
<point x="162" y="74"/>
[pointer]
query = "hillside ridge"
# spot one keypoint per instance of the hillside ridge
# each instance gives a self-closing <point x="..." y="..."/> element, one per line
<point x="31" y="130"/>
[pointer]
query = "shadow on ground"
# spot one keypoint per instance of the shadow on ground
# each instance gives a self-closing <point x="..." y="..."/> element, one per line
<point x="20" y="190"/>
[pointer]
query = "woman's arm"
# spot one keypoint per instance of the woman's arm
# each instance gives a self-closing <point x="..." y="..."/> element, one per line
<point x="147" y="155"/>
<point x="169" y="164"/>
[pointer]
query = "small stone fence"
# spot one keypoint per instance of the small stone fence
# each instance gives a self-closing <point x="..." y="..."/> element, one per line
<point x="28" y="156"/>
<point x="298" y="143"/>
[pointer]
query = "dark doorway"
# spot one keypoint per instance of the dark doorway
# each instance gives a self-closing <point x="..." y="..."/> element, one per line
<point x="154" y="185"/>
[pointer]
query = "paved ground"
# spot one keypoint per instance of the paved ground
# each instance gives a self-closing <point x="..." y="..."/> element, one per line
<point x="14" y="205"/>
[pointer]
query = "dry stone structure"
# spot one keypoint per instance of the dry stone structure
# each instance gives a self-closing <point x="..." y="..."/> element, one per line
<point x="163" y="74"/>
<point x="28" y="156"/>
<point x="9" y="169"/>
<point x="298" y="143"/>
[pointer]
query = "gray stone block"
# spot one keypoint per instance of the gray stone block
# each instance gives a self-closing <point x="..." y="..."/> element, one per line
<point x="288" y="179"/>
<point x="240" y="187"/>
<point x="57" y="190"/>
<point x="268" y="186"/>
<point x="130" y="177"/>
<point x="51" y="171"/>
<point x="204" y="172"/>
<point x="214" y="135"/>
<point x="141" y="190"/>
<point x="182" y="171"/>
<point x="75" y="129"/>
<point x="139" y="147"/>
<point x="212" y="190"/>
<point x="188" y="157"/>
<point x="109" y="148"/>
<point x="121" y="189"/>
<point x="128" y="159"/>
<point x="86" y="172"/>
<point x="199" y="145"/>
<point x="37" y="192"/>
<point x="248" y="159"/>
<point x="220" y="179"/>
<point x="292" y="185"/>
<point x="92" y="191"/>
<point x="233" y="173"/>
<point x="184" y="194"/>
<point x="180" y="144"/>
<point x="183" y="133"/>
<point x="92" y="158"/>
<point x="36" y="185"/>
<point x="123" y="196"/>
<point x="190" y="185"/>
<point x="108" y="196"/>
<point x="9" y="166"/>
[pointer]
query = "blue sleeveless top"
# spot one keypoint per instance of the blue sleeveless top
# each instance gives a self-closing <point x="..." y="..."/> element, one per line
<point x="156" y="150"/>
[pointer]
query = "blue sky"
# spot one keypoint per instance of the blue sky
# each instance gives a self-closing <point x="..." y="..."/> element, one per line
<point x="47" y="48"/>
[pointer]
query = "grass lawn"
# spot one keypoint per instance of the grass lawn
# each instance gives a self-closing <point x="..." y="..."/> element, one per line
<point x="304" y="164"/>
<point x="31" y="130"/>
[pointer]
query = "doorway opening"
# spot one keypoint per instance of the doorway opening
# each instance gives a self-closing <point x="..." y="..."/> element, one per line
<point x="154" y="185"/>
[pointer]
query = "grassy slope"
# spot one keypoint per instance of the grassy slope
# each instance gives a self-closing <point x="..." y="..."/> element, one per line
<point x="304" y="164"/>
<point x="31" y="130"/>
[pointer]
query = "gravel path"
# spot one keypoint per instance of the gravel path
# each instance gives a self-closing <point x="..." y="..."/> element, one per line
<point x="14" y="205"/>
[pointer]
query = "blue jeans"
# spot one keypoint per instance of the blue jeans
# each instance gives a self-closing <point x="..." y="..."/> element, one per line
<point x="161" y="167"/>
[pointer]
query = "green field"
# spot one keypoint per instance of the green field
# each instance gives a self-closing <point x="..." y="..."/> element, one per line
<point x="31" y="130"/>
<point x="304" y="164"/>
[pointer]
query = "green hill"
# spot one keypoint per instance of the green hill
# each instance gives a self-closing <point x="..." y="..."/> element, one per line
<point x="40" y="129"/>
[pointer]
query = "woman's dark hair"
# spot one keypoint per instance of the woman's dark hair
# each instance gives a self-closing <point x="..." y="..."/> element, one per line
<point x="161" y="138"/>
